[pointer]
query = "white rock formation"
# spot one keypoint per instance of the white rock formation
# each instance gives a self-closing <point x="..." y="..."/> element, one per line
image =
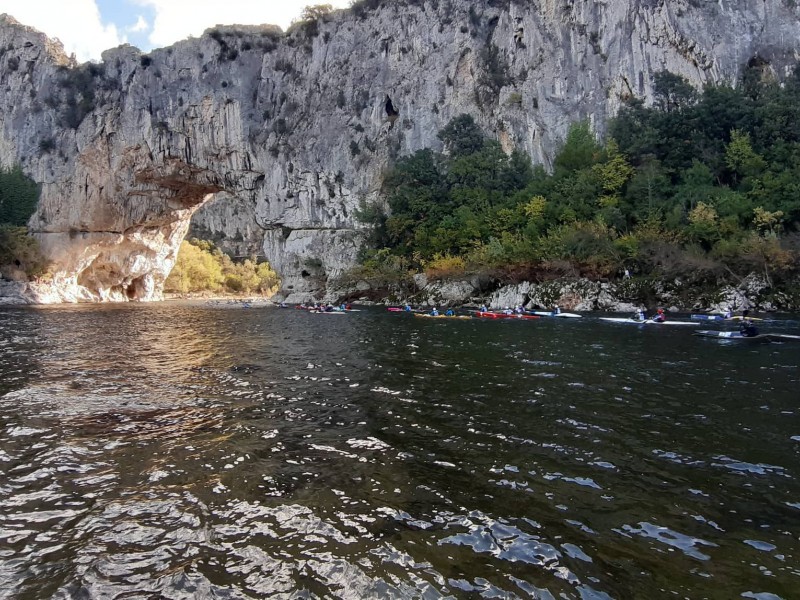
<point x="283" y="136"/>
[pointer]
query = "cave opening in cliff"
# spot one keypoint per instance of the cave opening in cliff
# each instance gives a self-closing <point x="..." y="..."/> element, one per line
<point x="132" y="289"/>
<point x="391" y="112"/>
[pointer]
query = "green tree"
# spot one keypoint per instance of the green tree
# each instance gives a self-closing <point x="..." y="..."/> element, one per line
<point x="648" y="192"/>
<point x="580" y="149"/>
<point x="672" y="92"/>
<point x="19" y="196"/>
<point x="740" y="156"/>
<point x="612" y="174"/>
<point x="462" y="136"/>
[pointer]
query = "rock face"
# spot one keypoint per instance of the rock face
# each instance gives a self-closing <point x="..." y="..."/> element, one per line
<point x="583" y="295"/>
<point x="269" y="142"/>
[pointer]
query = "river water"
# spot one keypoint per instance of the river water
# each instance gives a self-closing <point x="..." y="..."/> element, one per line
<point x="179" y="451"/>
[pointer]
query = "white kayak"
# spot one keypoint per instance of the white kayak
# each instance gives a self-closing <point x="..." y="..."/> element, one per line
<point x="720" y="318"/>
<point x="736" y="335"/>
<point x="561" y="315"/>
<point x="646" y="322"/>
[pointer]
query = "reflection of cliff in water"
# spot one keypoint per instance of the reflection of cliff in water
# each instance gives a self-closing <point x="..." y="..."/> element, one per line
<point x="110" y="371"/>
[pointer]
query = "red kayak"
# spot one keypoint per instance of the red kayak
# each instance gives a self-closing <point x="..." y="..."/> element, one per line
<point x="494" y="315"/>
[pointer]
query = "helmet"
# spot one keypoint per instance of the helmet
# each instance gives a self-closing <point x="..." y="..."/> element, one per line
<point x="660" y="310"/>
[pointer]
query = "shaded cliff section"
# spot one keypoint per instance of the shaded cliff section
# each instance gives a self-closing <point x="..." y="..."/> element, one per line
<point x="268" y="142"/>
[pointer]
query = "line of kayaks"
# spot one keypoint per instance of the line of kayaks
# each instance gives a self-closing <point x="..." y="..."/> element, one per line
<point x="721" y="335"/>
<point x="430" y="316"/>
<point x="479" y="315"/>
<point x="326" y="310"/>
<point x="528" y="314"/>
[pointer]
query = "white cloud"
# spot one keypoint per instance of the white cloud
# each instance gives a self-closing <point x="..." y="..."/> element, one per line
<point x="178" y="19"/>
<point x="139" y="26"/>
<point x="76" y="23"/>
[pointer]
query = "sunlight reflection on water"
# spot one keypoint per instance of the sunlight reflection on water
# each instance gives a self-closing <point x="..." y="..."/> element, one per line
<point x="194" y="452"/>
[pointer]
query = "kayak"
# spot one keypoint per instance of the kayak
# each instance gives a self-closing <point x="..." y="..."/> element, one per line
<point x="325" y="312"/>
<point x="428" y="316"/>
<point x="396" y="309"/>
<point x="647" y="322"/>
<point x="561" y="315"/>
<point x="335" y="309"/>
<point x="735" y="335"/>
<point x="720" y="318"/>
<point x="494" y="315"/>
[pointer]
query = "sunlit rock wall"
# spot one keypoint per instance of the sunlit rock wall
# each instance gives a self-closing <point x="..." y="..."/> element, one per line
<point x="283" y="136"/>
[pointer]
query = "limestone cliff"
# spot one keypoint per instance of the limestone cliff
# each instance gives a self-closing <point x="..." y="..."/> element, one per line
<point x="277" y="138"/>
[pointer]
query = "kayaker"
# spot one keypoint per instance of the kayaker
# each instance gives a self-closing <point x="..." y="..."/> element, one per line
<point x="518" y="309"/>
<point x="449" y="312"/>
<point x="407" y="307"/>
<point x="484" y="308"/>
<point x="746" y="326"/>
<point x="508" y="311"/>
<point x="434" y="312"/>
<point x="343" y="306"/>
<point x="728" y="314"/>
<point x="556" y="310"/>
<point x="660" y="317"/>
<point x="640" y="314"/>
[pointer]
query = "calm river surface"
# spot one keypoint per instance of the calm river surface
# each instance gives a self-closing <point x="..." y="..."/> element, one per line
<point x="178" y="451"/>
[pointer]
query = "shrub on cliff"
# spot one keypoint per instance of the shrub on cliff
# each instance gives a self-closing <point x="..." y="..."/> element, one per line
<point x="20" y="253"/>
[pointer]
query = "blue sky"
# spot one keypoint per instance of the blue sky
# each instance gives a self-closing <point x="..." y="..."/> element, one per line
<point x="87" y="27"/>
<point x="125" y="15"/>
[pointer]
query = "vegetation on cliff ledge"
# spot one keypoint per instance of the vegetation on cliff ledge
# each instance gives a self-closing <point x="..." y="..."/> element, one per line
<point x="700" y="185"/>
<point x="20" y="255"/>
<point x="202" y="267"/>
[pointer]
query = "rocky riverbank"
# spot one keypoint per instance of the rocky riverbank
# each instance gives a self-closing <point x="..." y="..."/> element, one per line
<point x="570" y="293"/>
<point x="580" y="294"/>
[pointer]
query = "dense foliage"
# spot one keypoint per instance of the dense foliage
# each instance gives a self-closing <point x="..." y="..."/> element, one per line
<point x="201" y="267"/>
<point x="701" y="185"/>
<point x="18" y="197"/>
<point x="19" y="253"/>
